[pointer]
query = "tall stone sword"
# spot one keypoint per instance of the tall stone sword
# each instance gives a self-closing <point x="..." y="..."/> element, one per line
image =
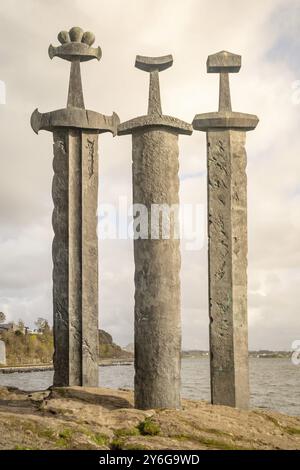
<point x="227" y="239"/>
<point x="157" y="261"/>
<point x="75" y="190"/>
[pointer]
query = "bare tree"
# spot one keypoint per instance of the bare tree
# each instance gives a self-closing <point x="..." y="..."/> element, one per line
<point x="42" y="325"/>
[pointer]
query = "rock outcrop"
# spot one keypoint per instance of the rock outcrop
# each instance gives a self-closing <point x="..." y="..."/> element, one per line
<point x="96" y="418"/>
<point x="109" y="350"/>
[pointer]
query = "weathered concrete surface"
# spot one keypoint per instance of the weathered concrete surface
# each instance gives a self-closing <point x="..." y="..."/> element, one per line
<point x="2" y="353"/>
<point x="75" y="257"/>
<point x="75" y="194"/>
<point x="157" y="259"/>
<point x="87" y="418"/>
<point x="157" y="281"/>
<point x="227" y="239"/>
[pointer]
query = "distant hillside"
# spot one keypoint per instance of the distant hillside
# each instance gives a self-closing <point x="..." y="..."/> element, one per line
<point x="28" y="349"/>
<point x="23" y="348"/>
<point x="109" y="350"/>
<point x="194" y="353"/>
<point x="35" y="348"/>
<point x="260" y="354"/>
<point x="130" y="348"/>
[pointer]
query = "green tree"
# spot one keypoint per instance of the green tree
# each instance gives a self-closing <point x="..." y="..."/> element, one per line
<point x="21" y="326"/>
<point x="42" y="326"/>
<point x="2" y="317"/>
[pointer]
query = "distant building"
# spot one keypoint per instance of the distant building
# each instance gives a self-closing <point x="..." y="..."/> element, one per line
<point x="32" y="332"/>
<point x="129" y="348"/>
<point x="8" y="327"/>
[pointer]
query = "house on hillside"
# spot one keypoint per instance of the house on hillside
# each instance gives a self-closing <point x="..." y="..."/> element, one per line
<point x="7" y="327"/>
<point x="10" y="327"/>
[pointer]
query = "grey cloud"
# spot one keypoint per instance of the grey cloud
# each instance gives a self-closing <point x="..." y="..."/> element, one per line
<point x="190" y="30"/>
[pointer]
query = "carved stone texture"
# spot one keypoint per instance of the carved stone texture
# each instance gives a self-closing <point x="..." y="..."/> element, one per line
<point x="227" y="239"/>
<point x="75" y="194"/>
<point x="227" y="231"/>
<point x="75" y="258"/>
<point x="90" y="343"/>
<point x="60" y="255"/>
<point x="157" y="280"/>
<point x="157" y="260"/>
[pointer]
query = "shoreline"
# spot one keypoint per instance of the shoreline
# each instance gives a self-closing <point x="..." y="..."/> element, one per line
<point x="49" y="367"/>
<point x="24" y="369"/>
<point x="102" y="363"/>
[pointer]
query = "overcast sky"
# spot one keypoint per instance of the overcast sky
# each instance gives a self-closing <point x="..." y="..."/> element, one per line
<point x="266" y="34"/>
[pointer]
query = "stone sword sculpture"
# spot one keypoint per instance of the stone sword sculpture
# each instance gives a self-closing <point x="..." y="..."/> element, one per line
<point x="227" y="239"/>
<point x="75" y="192"/>
<point x="157" y="261"/>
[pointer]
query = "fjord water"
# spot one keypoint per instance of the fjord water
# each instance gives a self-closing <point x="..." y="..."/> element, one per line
<point x="274" y="383"/>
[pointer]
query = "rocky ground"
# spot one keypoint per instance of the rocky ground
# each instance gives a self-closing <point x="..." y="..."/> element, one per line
<point x="86" y="418"/>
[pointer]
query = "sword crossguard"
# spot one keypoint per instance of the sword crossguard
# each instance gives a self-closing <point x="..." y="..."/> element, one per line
<point x="76" y="119"/>
<point x="154" y="65"/>
<point x="224" y="63"/>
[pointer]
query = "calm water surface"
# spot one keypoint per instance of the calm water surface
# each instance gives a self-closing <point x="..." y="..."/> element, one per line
<point x="275" y="383"/>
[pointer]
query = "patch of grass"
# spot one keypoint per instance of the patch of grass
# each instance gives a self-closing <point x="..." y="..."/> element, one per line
<point x="66" y="433"/>
<point x="117" y="444"/>
<point x="221" y="445"/>
<point x="36" y="430"/>
<point x="60" y="391"/>
<point x="135" y="447"/>
<point x="180" y="437"/>
<point x="65" y="437"/>
<point x="99" y="439"/>
<point x="46" y="433"/>
<point x="23" y="448"/>
<point x="127" y="432"/>
<point x="217" y="444"/>
<point x="288" y="429"/>
<point x="217" y="432"/>
<point x="211" y="443"/>
<point x="269" y="418"/>
<point x="149" y="428"/>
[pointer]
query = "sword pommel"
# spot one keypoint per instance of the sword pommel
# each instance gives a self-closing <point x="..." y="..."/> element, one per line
<point x="223" y="62"/>
<point x="149" y="64"/>
<point x="154" y="65"/>
<point x="75" y="45"/>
